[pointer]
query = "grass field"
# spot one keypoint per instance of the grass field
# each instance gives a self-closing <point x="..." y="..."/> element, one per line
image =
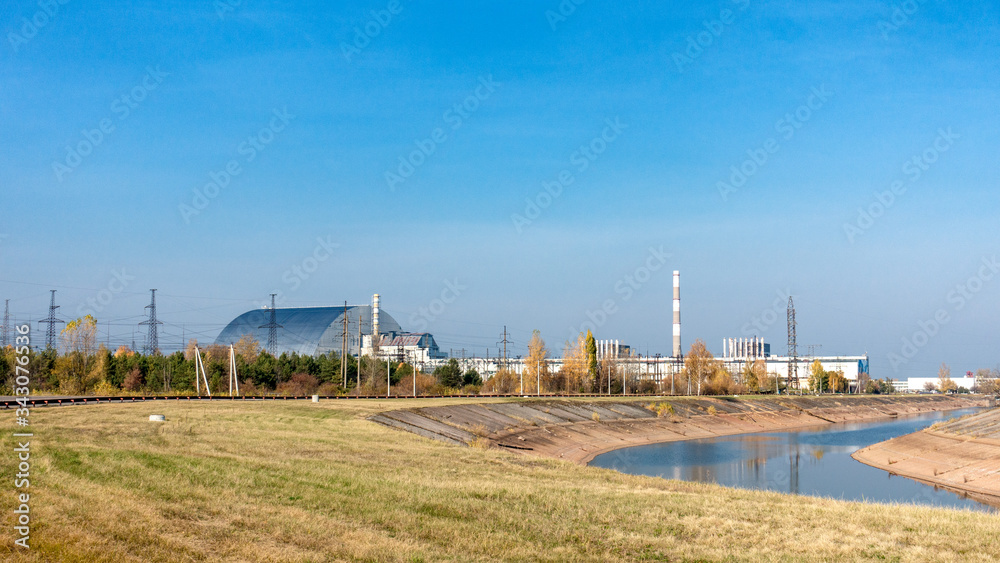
<point x="297" y="481"/>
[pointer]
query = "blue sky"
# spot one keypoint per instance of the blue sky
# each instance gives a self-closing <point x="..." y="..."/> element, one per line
<point x="833" y="100"/>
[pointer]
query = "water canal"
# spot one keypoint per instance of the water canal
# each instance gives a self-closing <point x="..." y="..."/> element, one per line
<point x="812" y="461"/>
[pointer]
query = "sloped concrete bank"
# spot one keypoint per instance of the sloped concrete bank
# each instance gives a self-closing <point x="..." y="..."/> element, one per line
<point x="961" y="455"/>
<point x="578" y="430"/>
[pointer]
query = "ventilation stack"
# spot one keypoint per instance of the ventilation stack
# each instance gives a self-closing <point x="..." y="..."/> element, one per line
<point x="375" y="308"/>
<point x="677" y="314"/>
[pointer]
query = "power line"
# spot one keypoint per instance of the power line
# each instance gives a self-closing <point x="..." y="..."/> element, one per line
<point x="272" y="328"/>
<point x="152" y="340"/>
<point x="50" y="332"/>
<point x="6" y="322"/>
<point x="793" y="350"/>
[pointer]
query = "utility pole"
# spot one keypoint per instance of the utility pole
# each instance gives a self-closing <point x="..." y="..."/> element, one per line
<point x="359" y="350"/>
<point x="504" y="342"/>
<point x="233" y="378"/>
<point x="343" y="351"/>
<point x="152" y="339"/>
<point x="6" y="322"/>
<point x="272" y="327"/>
<point x="50" y="332"/>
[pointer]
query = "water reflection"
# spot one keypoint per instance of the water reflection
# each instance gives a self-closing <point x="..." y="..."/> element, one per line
<point x="815" y="461"/>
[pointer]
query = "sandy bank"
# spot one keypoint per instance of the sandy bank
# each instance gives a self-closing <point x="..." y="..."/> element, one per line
<point x="961" y="455"/>
<point x="578" y="430"/>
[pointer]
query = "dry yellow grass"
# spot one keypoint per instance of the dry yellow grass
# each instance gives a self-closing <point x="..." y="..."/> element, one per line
<point x="297" y="481"/>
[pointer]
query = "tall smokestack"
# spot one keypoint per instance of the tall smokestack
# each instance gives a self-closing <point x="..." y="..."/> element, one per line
<point x="375" y="320"/>
<point x="677" y="314"/>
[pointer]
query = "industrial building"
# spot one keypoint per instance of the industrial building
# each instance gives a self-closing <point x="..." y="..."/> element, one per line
<point x="918" y="384"/>
<point x="404" y="347"/>
<point x="312" y="331"/>
<point x="309" y="331"/>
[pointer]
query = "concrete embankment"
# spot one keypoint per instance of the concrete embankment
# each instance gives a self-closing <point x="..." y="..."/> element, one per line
<point x="578" y="430"/>
<point x="961" y="455"/>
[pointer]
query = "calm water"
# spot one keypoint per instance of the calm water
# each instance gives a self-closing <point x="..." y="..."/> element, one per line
<point x="814" y="462"/>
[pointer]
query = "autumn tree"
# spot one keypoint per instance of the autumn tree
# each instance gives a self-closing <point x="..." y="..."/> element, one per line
<point x="574" y="369"/>
<point x="772" y="383"/>
<point x="504" y="382"/>
<point x="753" y="373"/>
<point x="986" y="381"/>
<point x="188" y="349"/>
<point x="536" y="365"/>
<point x="592" y="370"/>
<point x="818" y="377"/>
<point x="945" y="383"/>
<point x="79" y="343"/>
<point x="608" y="374"/>
<point x="247" y="348"/>
<point x="837" y="381"/>
<point x="699" y="365"/>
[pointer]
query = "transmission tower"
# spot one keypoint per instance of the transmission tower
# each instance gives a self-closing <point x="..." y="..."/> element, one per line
<point x="6" y="322"/>
<point x="152" y="341"/>
<point x="793" y="350"/>
<point x="50" y="332"/>
<point x="504" y="341"/>
<point x="272" y="327"/>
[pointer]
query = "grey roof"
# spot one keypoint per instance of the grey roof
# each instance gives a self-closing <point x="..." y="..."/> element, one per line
<point x="309" y="331"/>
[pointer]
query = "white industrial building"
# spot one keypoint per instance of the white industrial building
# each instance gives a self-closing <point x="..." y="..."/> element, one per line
<point x="917" y="384"/>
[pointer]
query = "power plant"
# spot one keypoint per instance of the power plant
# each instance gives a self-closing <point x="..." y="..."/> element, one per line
<point x="367" y="330"/>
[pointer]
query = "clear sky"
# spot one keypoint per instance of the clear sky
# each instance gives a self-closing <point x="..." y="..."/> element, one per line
<point x="513" y="163"/>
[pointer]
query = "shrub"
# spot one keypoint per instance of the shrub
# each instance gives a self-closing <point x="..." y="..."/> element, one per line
<point x="328" y="389"/>
<point x="299" y="384"/>
<point x="134" y="380"/>
<point x="103" y="389"/>
<point x="711" y="410"/>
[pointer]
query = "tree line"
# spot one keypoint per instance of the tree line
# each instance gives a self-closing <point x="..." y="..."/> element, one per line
<point x="80" y="366"/>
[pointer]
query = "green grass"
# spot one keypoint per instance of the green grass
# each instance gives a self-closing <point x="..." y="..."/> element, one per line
<point x="297" y="481"/>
